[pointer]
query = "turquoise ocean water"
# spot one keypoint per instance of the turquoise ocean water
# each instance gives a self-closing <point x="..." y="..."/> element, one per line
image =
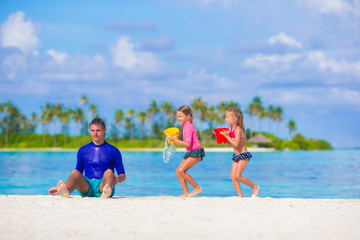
<point x="282" y="174"/>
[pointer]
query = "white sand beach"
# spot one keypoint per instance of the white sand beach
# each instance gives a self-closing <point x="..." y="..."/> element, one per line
<point x="54" y="217"/>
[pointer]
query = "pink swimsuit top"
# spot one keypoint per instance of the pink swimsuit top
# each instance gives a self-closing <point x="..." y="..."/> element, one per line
<point x="232" y="133"/>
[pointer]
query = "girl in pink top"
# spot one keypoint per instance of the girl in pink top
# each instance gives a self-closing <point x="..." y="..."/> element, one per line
<point x="237" y="138"/>
<point x="195" y="152"/>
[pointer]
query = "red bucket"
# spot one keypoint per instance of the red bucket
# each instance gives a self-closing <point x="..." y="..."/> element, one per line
<point x="219" y="137"/>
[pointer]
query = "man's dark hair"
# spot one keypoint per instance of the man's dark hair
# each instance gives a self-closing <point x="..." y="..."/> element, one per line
<point x="97" y="121"/>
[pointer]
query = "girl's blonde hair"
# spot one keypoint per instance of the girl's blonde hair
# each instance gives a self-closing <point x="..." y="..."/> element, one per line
<point x="185" y="109"/>
<point x="236" y="112"/>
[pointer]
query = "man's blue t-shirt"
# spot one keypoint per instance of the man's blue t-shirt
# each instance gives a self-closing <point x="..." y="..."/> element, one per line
<point x="96" y="159"/>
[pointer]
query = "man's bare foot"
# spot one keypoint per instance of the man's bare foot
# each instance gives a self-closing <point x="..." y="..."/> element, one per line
<point x="255" y="191"/>
<point x="106" y="193"/>
<point x="62" y="190"/>
<point x="195" y="192"/>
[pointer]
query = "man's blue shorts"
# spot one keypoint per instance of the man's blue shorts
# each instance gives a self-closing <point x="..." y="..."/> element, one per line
<point x="94" y="188"/>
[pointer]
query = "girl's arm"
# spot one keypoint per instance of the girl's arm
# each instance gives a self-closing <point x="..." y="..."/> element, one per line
<point x="182" y="143"/>
<point x="175" y="140"/>
<point x="235" y="142"/>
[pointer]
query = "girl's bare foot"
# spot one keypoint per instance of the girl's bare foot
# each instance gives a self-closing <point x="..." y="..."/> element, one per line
<point x="195" y="192"/>
<point x="106" y="193"/>
<point x="255" y="191"/>
<point x="185" y="195"/>
<point x="62" y="190"/>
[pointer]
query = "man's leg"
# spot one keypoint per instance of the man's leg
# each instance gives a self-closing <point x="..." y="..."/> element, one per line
<point x="107" y="184"/>
<point x="75" y="181"/>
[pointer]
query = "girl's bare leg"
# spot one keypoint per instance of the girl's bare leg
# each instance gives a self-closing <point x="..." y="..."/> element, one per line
<point x="239" y="171"/>
<point x="182" y="180"/>
<point x="188" y="164"/>
<point x="234" y="169"/>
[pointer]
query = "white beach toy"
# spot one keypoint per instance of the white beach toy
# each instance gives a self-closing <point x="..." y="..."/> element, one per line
<point x="169" y="148"/>
<point x="169" y="151"/>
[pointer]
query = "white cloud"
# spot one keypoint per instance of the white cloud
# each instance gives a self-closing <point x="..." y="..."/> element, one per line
<point x="334" y="7"/>
<point x="201" y="78"/>
<point x="13" y="64"/>
<point x="138" y="62"/>
<point x="159" y="44"/>
<point x="99" y="58"/>
<point x="124" y="55"/>
<point x="317" y="96"/>
<point x="340" y="7"/>
<point x="348" y="96"/>
<point x="282" y="38"/>
<point x="17" y="32"/>
<point x="282" y="62"/>
<point x="59" y="57"/>
<point x="272" y="62"/>
<point x="336" y="66"/>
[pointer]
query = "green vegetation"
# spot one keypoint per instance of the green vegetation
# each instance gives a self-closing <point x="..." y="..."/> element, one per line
<point x="298" y="142"/>
<point x="137" y="130"/>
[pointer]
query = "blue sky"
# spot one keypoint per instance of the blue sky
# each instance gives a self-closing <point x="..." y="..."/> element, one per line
<point x="302" y="55"/>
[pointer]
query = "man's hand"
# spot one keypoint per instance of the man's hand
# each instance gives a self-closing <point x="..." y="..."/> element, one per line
<point x="115" y="180"/>
<point x="121" y="177"/>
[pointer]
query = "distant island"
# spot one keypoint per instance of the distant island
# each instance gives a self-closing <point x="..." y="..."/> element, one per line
<point x="51" y="128"/>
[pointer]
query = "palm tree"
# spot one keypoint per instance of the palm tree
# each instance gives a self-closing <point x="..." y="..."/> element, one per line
<point x="254" y="109"/>
<point x="261" y="115"/>
<point x="119" y="116"/>
<point x="33" y="122"/>
<point x="84" y="101"/>
<point x="93" y="111"/>
<point x="168" y="109"/>
<point x="65" y="118"/>
<point x="173" y="117"/>
<point x="213" y="117"/>
<point x="56" y="113"/>
<point x="7" y="108"/>
<point x="151" y="112"/>
<point x="278" y="116"/>
<point x="142" y="118"/>
<point x="271" y="115"/>
<point x="252" y="112"/>
<point x="46" y="118"/>
<point x="130" y="115"/>
<point x="222" y="109"/>
<point x="79" y="116"/>
<point x="199" y="107"/>
<point x="24" y="123"/>
<point x="292" y="127"/>
<point x="224" y="106"/>
<point x="129" y="124"/>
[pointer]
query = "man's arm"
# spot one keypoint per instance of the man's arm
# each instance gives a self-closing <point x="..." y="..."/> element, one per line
<point x="121" y="177"/>
<point x="119" y="167"/>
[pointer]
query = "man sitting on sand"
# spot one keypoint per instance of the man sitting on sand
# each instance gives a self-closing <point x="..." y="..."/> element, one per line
<point x="98" y="159"/>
